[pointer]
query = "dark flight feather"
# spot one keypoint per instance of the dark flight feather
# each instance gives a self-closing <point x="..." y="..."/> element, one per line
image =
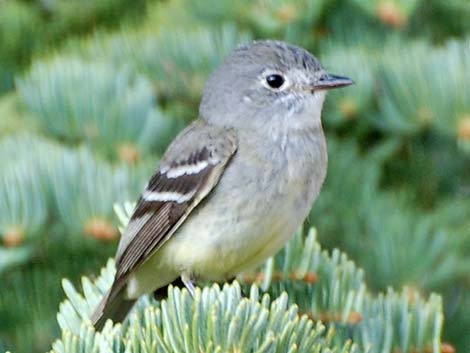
<point x="203" y="151"/>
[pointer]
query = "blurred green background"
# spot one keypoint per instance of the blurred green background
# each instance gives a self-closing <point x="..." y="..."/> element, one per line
<point x="91" y="92"/>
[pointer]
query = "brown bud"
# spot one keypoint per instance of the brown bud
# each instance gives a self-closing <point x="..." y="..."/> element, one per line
<point x="310" y="277"/>
<point x="247" y="278"/>
<point x="390" y="14"/>
<point x="128" y="153"/>
<point x="354" y="317"/>
<point x="447" y="348"/>
<point x="293" y="276"/>
<point x="259" y="277"/>
<point x="287" y="13"/>
<point x="100" y="229"/>
<point x="320" y="31"/>
<point x="13" y="237"/>
<point x="463" y="129"/>
<point x="325" y="317"/>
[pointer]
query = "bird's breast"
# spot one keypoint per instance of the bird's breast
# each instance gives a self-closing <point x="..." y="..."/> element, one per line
<point x="262" y="198"/>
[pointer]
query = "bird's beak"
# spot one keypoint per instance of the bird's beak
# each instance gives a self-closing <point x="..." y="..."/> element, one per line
<point x="329" y="81"/>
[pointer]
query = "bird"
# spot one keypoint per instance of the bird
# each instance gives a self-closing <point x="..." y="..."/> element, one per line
<point x="234" y="186"/>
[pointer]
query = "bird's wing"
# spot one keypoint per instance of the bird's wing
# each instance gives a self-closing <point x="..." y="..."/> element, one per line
<point x="189" y="170"/>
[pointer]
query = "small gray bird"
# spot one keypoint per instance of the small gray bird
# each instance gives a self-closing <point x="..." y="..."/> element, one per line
<point x="233" y="186"/>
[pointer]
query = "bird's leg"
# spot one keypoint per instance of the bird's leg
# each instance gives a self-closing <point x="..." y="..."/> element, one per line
<point x="189" y="282"/>
<point x="162" y="293"/>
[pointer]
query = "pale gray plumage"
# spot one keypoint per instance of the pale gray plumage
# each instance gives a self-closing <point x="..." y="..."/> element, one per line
<point x="235" y="185"/>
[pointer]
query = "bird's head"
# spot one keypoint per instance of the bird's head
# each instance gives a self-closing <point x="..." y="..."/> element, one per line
<point x="267" y="81"/>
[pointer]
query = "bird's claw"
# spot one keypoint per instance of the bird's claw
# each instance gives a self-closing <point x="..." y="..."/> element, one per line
<point x="189" y="282"/>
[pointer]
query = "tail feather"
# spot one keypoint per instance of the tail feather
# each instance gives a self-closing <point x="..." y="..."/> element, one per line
<point x="113" y="306"/>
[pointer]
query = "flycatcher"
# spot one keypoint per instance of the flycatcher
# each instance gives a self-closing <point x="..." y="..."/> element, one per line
<point x="234" y="186"/>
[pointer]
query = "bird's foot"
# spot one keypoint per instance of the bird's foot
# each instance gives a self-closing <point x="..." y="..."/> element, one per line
<point x="189" y="282"/>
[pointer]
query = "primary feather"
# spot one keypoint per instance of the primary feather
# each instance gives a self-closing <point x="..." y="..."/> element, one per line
<point x="189" y="170"/>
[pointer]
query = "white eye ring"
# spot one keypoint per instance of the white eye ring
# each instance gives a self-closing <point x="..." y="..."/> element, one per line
<point x="274" y="81"/>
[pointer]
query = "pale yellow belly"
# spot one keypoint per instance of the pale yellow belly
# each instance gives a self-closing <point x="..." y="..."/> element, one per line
<point x="217" y="248"/>
<point x="221" y="251"/>
<point x="253" y="211"/>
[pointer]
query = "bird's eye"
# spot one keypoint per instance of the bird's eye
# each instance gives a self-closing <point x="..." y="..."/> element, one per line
<point x="275" y="81"/>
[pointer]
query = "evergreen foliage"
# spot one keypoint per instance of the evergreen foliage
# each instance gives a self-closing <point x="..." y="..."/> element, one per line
<point x="84" y="120"/>
<point x="325" y="287"/>
<point x="30" y="27"/>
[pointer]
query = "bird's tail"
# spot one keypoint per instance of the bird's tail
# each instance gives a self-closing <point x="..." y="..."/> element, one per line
<point x="113" y="306"/>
